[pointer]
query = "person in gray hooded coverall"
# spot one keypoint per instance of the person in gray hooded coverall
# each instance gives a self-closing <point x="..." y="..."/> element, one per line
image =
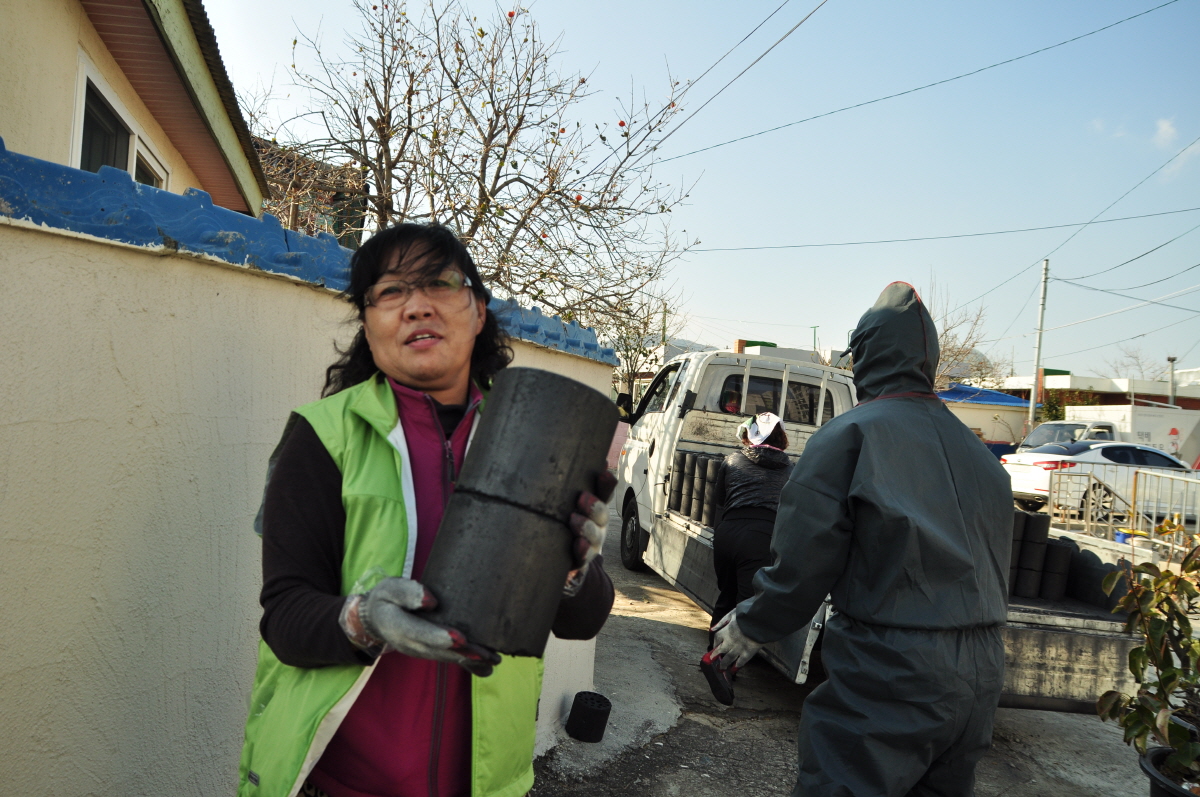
<point x="897" y="510"/>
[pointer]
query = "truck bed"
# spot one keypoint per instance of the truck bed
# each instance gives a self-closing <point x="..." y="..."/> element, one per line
<point x="1059" y="655"/>
<point x="1062" y="655"/>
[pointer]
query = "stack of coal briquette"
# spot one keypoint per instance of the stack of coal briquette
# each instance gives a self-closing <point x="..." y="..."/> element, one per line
<point x="1039" y="565"/>
<point x="692" y="479"/>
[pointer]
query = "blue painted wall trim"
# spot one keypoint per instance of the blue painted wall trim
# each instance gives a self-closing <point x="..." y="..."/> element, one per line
<point x="111" y="205"/>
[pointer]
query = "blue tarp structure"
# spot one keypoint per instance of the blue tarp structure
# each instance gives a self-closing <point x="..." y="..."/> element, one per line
<point x="110" y="205"/>
<point x="965" y="394"/>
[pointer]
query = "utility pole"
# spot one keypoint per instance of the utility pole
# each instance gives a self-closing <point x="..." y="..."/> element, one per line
<point x="1171" y="397"/>
<point x="1037" y="350"/>
<point x="814" y="329"/>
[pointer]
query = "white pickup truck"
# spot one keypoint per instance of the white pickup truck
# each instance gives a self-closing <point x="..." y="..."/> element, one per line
<point x="1061" y="655"/>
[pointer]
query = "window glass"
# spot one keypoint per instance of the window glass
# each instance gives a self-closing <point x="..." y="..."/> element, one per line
<point x="676" y="381"/>
<point x="1122" y="455"/>
<point x="1152" y="459"/>
<point x="802" y="401"/>
<point x="146" y="175"/>
<point x="1054" y="433"/>
<point x="105" y="139"/>
<point x="1100" y="433"/>
<point x="800" y="407"/>
<point x="656" y="396"/>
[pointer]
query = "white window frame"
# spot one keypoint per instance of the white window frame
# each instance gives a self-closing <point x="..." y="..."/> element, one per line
<point x="139" y="142"/>
<point x="152" y="161"/>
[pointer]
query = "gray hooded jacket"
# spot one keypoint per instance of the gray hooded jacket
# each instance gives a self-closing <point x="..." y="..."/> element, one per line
<point x="895" y="507"/>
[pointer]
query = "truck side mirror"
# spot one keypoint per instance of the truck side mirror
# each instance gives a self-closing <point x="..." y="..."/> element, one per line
<point x="689" y="401"/>
<point x="625" y="405"/>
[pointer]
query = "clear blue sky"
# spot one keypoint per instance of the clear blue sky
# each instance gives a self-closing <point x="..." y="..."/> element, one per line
<point x="1051" y="139"/>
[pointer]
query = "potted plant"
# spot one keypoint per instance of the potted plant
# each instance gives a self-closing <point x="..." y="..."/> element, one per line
<point x="1166" y="666"/>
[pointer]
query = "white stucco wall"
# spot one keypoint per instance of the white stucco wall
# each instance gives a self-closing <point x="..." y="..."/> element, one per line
<point x="143" y="396"/>
<point x="982" y="416"/>
<point x="593" y="374"/>
<point x="141" y="400"/>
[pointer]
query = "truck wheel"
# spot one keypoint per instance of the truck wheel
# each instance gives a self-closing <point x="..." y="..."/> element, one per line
<point x="633" y="540"/>
<point x="1029" y="506"/>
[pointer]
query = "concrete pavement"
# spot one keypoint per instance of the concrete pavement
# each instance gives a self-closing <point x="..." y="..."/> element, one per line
<point x="668" y="736"/>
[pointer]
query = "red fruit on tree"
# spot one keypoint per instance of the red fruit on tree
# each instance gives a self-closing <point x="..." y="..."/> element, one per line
<point x="512" y="14"/>
<point x="621" y="123"/>
<point x="562" y="129"/>
<point x="578" y="197"/>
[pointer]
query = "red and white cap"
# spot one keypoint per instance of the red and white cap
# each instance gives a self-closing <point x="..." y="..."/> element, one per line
<point x="758" y="428"/>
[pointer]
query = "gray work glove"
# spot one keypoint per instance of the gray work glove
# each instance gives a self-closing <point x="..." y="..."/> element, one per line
<point x="589" y="523"/>
<point x="732" y="645"/>
<point x="387" y="614"/>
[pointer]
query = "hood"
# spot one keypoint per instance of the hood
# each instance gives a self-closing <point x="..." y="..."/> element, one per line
<point x="766" y="457"/>
<point x="895" y="345"/>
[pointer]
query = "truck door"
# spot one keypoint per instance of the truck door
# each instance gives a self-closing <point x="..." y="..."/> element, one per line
<point x="644" y="444"/>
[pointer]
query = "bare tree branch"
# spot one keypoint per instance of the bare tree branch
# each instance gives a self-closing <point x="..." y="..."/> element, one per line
<point x="469" y="122"/>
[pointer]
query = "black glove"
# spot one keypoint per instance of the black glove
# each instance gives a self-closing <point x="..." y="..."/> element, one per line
<point x="590" y="526"/>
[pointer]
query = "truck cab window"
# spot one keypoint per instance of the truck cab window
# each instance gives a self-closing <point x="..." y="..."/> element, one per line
<point x="656" y="395"/>
<point x="1100" y="433"/>
<point x="800" y="407"/>
<point x="1054" y="433"/>
<point x="802" y="403"/>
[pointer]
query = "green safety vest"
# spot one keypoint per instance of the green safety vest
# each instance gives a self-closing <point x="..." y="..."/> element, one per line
<point x="295" y="711"/>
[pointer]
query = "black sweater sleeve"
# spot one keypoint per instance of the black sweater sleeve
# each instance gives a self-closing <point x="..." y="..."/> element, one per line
<point x="303" y="543"/>
<point x="303" y="531"/>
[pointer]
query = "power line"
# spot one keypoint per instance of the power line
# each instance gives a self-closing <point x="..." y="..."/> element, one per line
<point x="1127" y="296"/>
<point x="692" y="84"/>
<point x="1189" y="351"/>
<point x="941" y="237"/>
<point x="1081" y="229"/>
<point x="739" y="74"/>
<point x="1144" y="303"/>
<point x="1016" y="317"/>
<point x="918" y="88"/>
<point x="734" y="47"/>
<point x="1140" y="304"/>
<point x="1144" y="284"/>
<point x="1127" y="262"/>
<point x="1124" y="340"/>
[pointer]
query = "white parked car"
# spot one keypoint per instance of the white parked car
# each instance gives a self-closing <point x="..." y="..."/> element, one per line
<point x="1110" y="462"/>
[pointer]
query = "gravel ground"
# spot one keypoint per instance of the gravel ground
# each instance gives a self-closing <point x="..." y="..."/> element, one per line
<point x="667" y="736"/>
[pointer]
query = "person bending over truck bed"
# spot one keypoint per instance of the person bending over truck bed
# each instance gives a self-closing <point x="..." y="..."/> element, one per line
<point x="897" y="510"/>
<point x="747" y="491"/>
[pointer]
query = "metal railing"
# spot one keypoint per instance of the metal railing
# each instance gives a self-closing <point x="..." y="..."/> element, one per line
<point x="1169" y="510"/>
<point x="1086" y="502"/>
<point x="1155" y="511"/>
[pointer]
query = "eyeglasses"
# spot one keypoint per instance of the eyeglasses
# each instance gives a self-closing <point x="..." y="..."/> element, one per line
<point x="443" y="288"/>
